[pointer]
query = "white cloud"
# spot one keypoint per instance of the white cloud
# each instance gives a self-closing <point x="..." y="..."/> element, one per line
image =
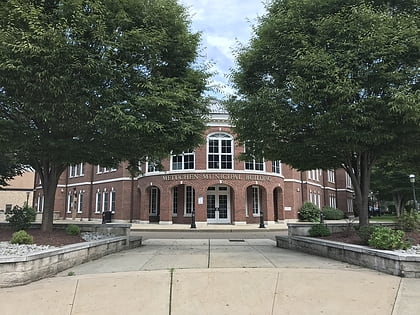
<point x="223" y="23"/>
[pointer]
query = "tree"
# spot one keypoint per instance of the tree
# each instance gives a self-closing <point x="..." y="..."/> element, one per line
<point x="390" y="178"/>
<point x="329" y="84"/>
<point x="98" y="82"/>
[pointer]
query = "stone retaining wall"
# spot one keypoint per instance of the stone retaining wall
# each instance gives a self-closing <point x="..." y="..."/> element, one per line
<point x="19" y="270"/>
<point x="390" y="262"/>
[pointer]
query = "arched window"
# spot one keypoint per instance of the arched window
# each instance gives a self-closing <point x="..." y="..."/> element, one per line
<point x="220" y="151"/>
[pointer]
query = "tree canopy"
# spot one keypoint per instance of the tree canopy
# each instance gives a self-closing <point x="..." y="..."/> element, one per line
<point x="98" y="82"/>
<point x="328" y="84"/>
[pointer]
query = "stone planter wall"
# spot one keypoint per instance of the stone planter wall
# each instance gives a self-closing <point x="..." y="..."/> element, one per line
<point x="390" y="262"/>
<point x="19" y="270"/>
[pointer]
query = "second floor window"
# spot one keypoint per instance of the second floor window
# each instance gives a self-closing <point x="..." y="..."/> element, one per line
<point x="77" y="170"/>
<point x="276" y="167"/>
<point x="184" y="161"/>
<point x="220" y="151"/>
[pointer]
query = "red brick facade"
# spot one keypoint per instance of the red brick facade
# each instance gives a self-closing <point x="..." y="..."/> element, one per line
<point x="211" y="188"/>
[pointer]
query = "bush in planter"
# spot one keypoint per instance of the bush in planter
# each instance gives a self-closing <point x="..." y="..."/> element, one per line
<point x="387" y="238"/>
<point x="73" y="229"/>
<point x="332" y="213"/>
<point x="319" y="230"/>
<point x="408" y="221"/>
<point x="309" y="212"/>
<point x="20" y="218"/>
<point x="21" y="237"/>
<point x="365" y="232"/>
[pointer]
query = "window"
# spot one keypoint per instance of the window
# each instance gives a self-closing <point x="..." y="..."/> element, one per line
<point x="276" y="167"/>
<point x="220" y="151"/>
<point x="77" y="170"/>
<point x="348" y="181"/>
<point x="154" y="199"/>
<point x="175" y="201"/>
<point x="80" y="202"/>
<point x="8" y="207"/>
<point x="40" y="203"/>
<point x="333" y="201"/>
<point x="153" y="166"/>
<point x="189" y="200"/>
<point x="98" y="202"/>
<point x="102" y="170"/>
<point x="255" y="165"/>
<point x="331" y="176"/>
<point x="350" y="205"/>
<point x="184" y="161"/>
<point x="105" y="201"/>
<point x="112" y="199"/>
<point x="255" y="200"/>
<point x="69" y="202"/>
<point x="314" y="174"/>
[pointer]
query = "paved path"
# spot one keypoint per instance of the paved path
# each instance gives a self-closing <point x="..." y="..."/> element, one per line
<point x="215" y="276"/>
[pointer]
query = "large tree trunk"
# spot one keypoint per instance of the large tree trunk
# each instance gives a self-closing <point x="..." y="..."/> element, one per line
<point x="49" y="173"/>
<point x="398" y="203"/>
<point x="359" y="168"/>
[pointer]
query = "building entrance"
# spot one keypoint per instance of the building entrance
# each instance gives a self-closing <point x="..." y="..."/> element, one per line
<point x="218" y="204"/>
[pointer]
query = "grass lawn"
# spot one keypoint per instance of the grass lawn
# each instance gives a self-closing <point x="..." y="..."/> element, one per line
<point x="384" y="218"/>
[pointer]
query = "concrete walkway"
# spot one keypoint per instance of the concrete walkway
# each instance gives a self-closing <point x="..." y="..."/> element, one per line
<point x="215" y="276"/>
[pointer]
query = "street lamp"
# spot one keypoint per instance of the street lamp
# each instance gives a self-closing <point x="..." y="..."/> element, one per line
<point x="413" y="180"/>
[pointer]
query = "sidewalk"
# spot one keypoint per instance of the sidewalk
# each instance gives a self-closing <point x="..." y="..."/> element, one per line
<point x="226" y="291"/>
<point x="216" y="276"/>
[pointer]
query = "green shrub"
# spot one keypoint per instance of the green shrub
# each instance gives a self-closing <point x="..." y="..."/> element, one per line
<point x="408" y="221"/>
<point x="20" y="218"/>
<point x="21" y="237"/>
<point x="332" y="213"/>
<point x="387" y="238"/>
<point x="365" y="232"/>
<point x="319" y="230"/>
<point x="309" y="212"/>
<point x="73" y="229"/>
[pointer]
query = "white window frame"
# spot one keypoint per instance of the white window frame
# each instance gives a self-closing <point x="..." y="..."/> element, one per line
<point x="80" y="202"/>
<point x="153" y="201"/>
<point x="189" y="201"/>
<point x="98" y="201"/>
<point x="276" y="167"/>
<point x="348" y="181"/>
<point x="331" y="176"/>
<point x="183" y="156"/>
<point x="105" y="206"/>
<point x="333" y="201"/>
<point x="152" y="166"/>
<point x="256" y="202"/>
<point x="112" y="200"/>
<point x="220" y="137"/>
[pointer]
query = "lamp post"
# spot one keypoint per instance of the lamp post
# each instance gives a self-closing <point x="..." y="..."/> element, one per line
<point x="413" y="180"/>
<point x="193" y="226"/>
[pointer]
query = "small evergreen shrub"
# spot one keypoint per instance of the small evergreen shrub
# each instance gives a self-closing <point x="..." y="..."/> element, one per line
<point x="408" y="221"/>
<point x="365" y="232"/>
<point x="319" y="230"/>
<point x="387" y="238"/>
<point x="21" y="237"/>
<point x="73" y="229"/>
<point x="309" y="212"/>
<point x="20" y="218"/>
<point x="332" y="213"/>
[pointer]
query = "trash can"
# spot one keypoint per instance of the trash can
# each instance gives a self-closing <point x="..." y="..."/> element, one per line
<point x="106" y="217"/>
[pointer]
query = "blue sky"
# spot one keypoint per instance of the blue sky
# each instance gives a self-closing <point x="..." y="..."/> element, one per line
<point x="223" y="24"/>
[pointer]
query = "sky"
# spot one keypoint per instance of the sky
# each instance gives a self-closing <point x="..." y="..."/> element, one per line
<point x="223" y="25"/>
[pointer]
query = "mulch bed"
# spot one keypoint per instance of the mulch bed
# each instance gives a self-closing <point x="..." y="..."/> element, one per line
<point x="55" y="238"/>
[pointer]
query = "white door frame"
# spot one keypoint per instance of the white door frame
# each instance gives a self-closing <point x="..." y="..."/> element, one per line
<point x="217" y="193"/>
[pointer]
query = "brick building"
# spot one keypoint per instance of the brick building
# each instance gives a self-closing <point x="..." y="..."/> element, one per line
<point x="210" y="182"/>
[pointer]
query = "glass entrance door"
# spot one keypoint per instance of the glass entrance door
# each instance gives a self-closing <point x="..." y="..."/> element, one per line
<point x="218" y="205"/>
